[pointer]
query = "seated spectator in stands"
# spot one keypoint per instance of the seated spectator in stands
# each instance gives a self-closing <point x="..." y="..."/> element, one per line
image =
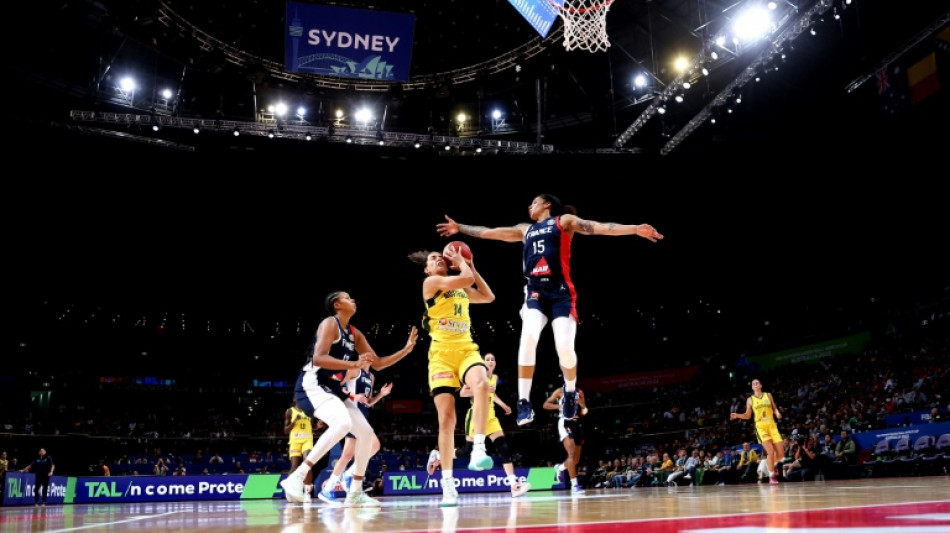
<point x="811" y="461"/>
<point x="748" y="464"/>
<point x="180" y="468"/>
<point x="205" y="472"/>
<point x="679" y="468"/>
<point x="846" y="455"/>
<point x="711" y="468"/>
<point x="160" y="468"/>
<point x="728" y="467"/>
<point x="645" y="477"/>
<point x="600" y="474"/>
<point x="239" y="468"/>
<point x="616" y="469"/>
<point x="216" y="459"/>
<point x="828" y="446"/>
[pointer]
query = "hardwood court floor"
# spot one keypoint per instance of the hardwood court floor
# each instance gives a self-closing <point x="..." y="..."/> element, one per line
<point x="888" y="505"/>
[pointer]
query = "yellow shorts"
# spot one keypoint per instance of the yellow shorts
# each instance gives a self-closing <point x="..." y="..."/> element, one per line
<point x="448" y="364"/>
<point x="493" y="426"/>
<point x="300" y="447"/>
<point x="767" y="430"/>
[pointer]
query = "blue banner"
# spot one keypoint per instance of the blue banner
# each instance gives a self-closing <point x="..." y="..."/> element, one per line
<point x="908" y="419"/>
<point x="18" y="488"/>
<point x="540" y="14"/>
<point x="347" y="42"/>
<point x="418" y="482"/>
<point x="868" y="439"/>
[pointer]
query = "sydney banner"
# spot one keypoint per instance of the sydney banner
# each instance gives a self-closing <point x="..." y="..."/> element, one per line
<point x="418" y="482"/>
<point x="348" y="42"/>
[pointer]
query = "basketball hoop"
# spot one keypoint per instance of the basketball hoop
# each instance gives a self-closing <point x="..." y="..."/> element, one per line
<point x="585" y="24"/>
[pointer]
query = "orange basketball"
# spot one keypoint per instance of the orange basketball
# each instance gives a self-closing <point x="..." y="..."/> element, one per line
<point x="459" y="247"/>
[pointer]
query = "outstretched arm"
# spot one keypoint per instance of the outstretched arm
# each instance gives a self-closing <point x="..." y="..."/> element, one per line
<point x="746" y="415"/>
<point x="383" y="392"/>
<point x="575" y="224"/>
<point x="384" y="362"/>
<point x="507" y="234"/>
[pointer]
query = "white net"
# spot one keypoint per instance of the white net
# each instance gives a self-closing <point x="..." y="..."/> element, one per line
<point x="585" y="24"/>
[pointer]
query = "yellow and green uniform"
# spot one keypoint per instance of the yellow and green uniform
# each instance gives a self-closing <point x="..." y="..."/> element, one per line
<point x="452" y="351"/>
<point x="493" y="425"/>
<point x="301" y="433"/>
<point x="764" y="415"/>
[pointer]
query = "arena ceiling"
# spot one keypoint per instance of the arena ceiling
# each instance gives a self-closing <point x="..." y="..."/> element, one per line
<point x="225" y="60"/>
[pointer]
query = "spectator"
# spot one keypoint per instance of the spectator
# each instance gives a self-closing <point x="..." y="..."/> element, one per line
<point x="728" y="467"/>
<point x="748" y="463"/>
<point x="846" y="455"/>
<point x="160" y="468"/>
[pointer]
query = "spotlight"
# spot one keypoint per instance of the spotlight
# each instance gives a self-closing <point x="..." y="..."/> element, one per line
<point x="679" y="99"/>
<point x="417" y="144"/>
<point x="448" y="147"/>
<point x="196" y="129"/>
<point x="349" y="139"/>
<point x="308" y="136"/>
<point x="270" y="134"/>
<point x="236" y="132"/>
<point x="380" y="139"/>
<point x="661" y="110"/>
<point x="156" y="127"/>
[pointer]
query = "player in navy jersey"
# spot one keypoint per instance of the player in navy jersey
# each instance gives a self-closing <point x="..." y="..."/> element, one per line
<point x="549" y="290"/>
<point x="360" y="389"/>
<point x="338" y="353"/>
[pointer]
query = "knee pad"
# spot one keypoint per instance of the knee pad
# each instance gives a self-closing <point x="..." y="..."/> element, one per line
<point x="501" y="446"/>
<point x="532" y="322"/>
<point x="564" y="329"/>
<point x="338" y="419"/>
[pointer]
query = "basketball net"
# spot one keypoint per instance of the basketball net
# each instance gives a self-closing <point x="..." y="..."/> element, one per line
<point x="585" y="24"/>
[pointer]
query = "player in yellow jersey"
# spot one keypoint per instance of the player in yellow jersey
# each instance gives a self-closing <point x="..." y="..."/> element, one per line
<point x="298" y="427"/>
<point x="454" y="358"/>
<point x="493" y="428"/>
<point x="766" y="412"/>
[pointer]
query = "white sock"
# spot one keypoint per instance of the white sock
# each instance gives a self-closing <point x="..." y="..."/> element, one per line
<point x="447" y="480"/>
<point x="573" y="481"/>
<point x="524" y="388"/>
<point x="479" y="442"/>
<point x="512" y="481"/>
<point x="351" y="471"/>
<point x="332" y="481"/>
<point x="301" y="471"/>
<point x="560" y="467"/>
<point x="570" y="384"/>
<point x="356" y="486"/>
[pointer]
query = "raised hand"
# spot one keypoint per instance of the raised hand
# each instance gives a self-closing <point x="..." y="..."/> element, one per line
<point x="447" y="228"/>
